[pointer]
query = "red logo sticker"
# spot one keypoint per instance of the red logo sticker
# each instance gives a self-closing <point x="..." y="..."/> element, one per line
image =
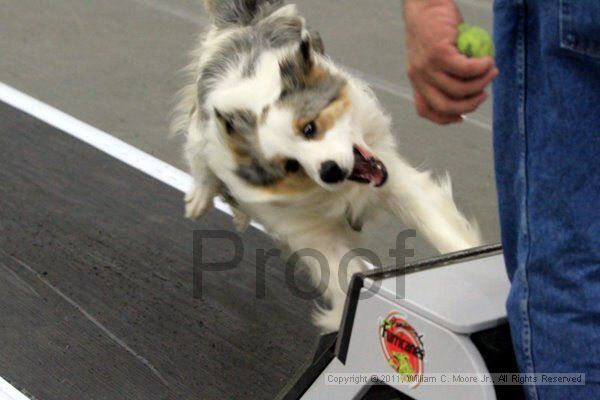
<point x="402" y="347"/>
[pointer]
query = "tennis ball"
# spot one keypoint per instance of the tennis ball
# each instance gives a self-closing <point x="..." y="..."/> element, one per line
<point x="474" y="41"/>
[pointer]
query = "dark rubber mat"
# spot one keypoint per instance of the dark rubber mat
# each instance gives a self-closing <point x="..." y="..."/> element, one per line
<point x="96" y="285"/>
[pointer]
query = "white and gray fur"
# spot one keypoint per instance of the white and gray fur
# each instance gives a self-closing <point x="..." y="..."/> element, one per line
<point x="248" y="89"/>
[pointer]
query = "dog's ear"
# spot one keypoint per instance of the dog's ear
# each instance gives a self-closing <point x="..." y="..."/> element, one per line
<point x="299" y="69"/>
<point x="236" y="122"/>
<point x="296" y="68"/>
<point x="306" y="55"/>
<point x="317" y="42"/>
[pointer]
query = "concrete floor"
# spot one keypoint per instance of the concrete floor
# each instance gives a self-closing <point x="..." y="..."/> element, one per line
<point x="97" y="277"/>
<point x="114" y="64"/>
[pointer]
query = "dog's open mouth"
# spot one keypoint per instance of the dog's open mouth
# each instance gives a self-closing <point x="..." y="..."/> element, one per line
<point x="367" y="168"/>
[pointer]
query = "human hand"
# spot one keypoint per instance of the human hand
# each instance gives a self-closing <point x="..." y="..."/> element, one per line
<point x="446" y="84"/>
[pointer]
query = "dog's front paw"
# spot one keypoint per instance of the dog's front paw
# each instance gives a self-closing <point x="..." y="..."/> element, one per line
<point x="198" y="201"/>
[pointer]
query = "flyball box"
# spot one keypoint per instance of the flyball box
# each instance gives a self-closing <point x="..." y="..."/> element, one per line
<point x="441" y="316"/>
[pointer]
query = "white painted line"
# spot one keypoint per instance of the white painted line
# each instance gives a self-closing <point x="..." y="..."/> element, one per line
<point x="96" y="138"/>
<point x="103" y="141"/>
<point x="8" y="392"/>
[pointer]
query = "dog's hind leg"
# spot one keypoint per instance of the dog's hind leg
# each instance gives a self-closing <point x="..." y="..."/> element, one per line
<point x="426" y="204"/>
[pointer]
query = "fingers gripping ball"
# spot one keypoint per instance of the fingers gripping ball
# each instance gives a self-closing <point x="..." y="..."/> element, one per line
<point x="474" y="41"/>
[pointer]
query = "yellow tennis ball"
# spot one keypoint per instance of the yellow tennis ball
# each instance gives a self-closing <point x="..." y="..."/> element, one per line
<point x="474" y="41"/>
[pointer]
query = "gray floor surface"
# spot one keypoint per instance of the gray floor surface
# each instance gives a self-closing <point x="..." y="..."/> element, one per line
<point x="114" y="64"/>
<point x="96" y="283"/>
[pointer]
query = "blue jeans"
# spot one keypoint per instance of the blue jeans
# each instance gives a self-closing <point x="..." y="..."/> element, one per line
<point x="547" y="154"/>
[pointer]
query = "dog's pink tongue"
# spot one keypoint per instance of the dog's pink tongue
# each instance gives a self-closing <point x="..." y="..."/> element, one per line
<point x="367" y="168"/>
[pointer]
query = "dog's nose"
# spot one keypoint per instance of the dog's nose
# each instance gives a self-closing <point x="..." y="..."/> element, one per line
<point x="332" y="173"/>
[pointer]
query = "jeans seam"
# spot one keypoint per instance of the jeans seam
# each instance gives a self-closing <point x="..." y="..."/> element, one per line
<point x="524" y="301"/>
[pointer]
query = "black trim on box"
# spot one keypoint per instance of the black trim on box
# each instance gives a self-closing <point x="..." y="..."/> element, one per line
<point x="356" y="285"/>
<point x="358" y="281"/>
<point x="309" y="373"/>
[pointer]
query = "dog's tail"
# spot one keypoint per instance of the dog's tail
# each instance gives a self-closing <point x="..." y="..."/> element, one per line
<point x="227" y="13"/>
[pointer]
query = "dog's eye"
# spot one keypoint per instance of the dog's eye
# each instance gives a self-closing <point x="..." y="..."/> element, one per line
<point x="310" y="130"/>
<point x="292" y="166"/>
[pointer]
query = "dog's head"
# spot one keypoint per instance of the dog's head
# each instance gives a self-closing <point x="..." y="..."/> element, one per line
<point x="301" y="130"/>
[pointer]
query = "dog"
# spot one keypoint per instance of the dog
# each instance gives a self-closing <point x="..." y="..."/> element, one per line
<point x="296" y="143"/>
